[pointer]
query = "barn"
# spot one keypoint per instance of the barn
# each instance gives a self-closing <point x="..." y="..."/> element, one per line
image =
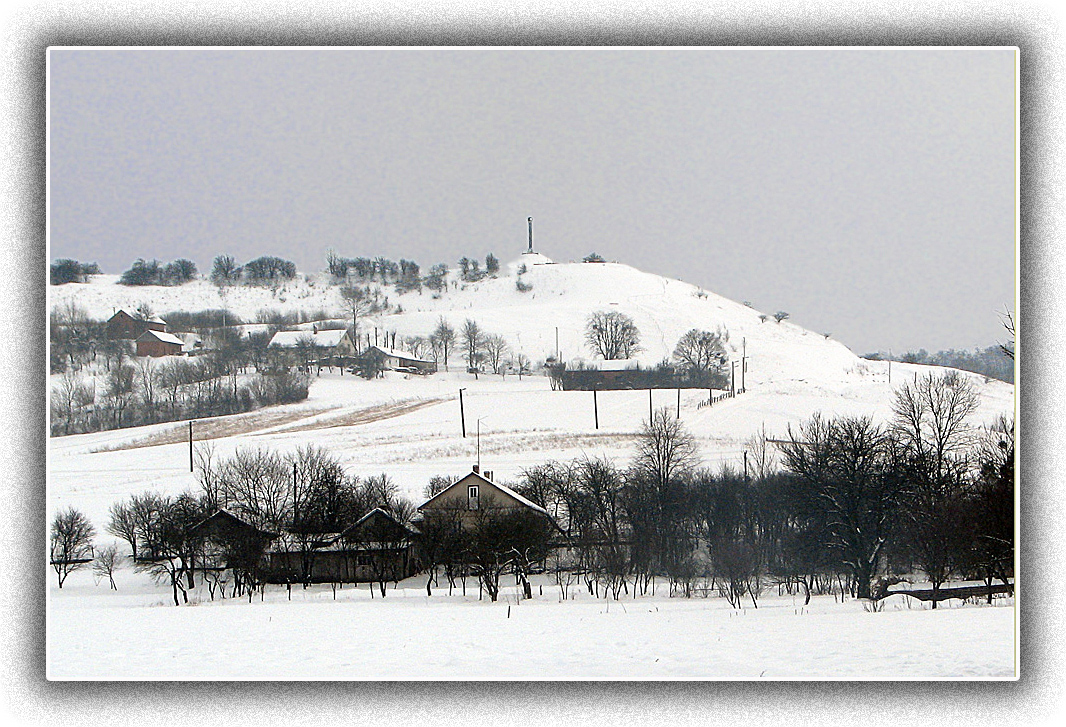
<point x="377" y="548"/>
<point x="123" y="326"/>
<point x="158" y="343"/>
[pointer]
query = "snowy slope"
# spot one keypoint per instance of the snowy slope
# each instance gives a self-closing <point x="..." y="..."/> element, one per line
<point x="409" y="426"/>
<point x="562" y="297"/>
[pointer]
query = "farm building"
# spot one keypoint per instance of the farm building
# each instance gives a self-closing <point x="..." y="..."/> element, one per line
<point x="377" y="547"/>
<point x="316" y="344"/>
<point x="628" y="374"/>
<point x="402" y="361"/>
<point x="157" y="343"/>
<point x="126" y="327"/>
<point x="231" y="542"/>
<point x="475" y="493"/>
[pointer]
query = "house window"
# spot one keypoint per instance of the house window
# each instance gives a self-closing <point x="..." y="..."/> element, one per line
<point x="362" y="560"/>
<point x="471" y="494"/>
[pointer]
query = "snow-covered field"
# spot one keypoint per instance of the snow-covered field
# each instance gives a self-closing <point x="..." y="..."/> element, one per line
<point x="133" y="634"/>
<point x="409" y="428"/>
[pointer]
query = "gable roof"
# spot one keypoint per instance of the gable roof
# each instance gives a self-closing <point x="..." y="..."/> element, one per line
<point x="502" y="488"/>
<point x="161" y="336"/>
<point x="222" y="514"/>
<point x="376" y="512"/>
<point x="291" y="339"/>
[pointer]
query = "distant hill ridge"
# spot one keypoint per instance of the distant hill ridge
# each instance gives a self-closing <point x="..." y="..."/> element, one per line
<point x="534" y="303"/>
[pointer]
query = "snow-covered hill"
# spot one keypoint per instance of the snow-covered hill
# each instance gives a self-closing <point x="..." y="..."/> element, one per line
<point x="409" y="427"/>
<point x="555" y="309"/>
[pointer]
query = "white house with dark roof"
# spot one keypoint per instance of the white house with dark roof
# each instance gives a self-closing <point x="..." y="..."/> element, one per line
<point x="396" y="360"/>
<point x="334" y="343"/>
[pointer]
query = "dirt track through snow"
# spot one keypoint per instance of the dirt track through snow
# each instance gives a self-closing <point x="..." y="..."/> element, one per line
<point x="274" y="422"/>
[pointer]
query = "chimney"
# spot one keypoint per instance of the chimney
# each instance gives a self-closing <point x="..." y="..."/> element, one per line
<point x="477" y="469"/>
<point x="530" y="235"/>
<point x="488" y="475"/>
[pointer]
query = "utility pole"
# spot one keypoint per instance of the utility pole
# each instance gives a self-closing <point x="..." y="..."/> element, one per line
<point x="190" y="445"/>
<point x="595" y="409"/>
<point x="650" y="414"/>
<point x="679" y="402"/>
<point x="733" y="378"/>
<point x="745" y="465"/>
<point x="462" y="414"/>
<point x="557" y="354"/>
<point x="743" y="363"/>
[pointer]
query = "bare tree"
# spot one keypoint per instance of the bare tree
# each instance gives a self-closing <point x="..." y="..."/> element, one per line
<point x="473" y="342"/>
<point x="438" y="484"/>
<point x="442" y="339"/>
<point x="61" y="403"/>
<point x="107" y="562"/>
<point x="71" y="545"/>
<point x="259" y="487"/>
<point x="495" y="348"/>
<point x="701" y="352"/>
<point x="1008" y="323"/>
<point x="522" y="365"/>
<point x="123" y="524"/>
<point x="358" y="301"/>
<point x="120" y="390"/>
<point x="851" y="469"/>
<point x="665" y="450"/>
<point x="781" y="315"/>
<point x="930" y="422"/>
<point x="761" y="456"/>
<point x="612" y="335"/>
<point x="419" y="346"/>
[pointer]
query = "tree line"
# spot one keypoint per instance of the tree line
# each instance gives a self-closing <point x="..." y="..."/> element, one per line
<point x="995" y="362"/>
<point x="840" y="501"/>
<point x="840" y="505"/>
<point x="236" y="374"/>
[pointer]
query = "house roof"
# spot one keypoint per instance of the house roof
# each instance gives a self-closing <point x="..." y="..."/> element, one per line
<point x="291" y="339"/>
<point x="161" y="336"/>
<point x="224" y="514"/>
<point x="502" y="488"/>
<point x="376" y="512"/>
<point x="396" y="353"/>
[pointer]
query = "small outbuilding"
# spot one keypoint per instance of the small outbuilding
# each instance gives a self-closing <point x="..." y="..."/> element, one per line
<point x="157" y="343"/>
<point x="377" y="547"/>
<point x="395" y="360"/>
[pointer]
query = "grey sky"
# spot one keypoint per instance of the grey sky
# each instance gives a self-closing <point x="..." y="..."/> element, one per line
<point x="868" y="192"/>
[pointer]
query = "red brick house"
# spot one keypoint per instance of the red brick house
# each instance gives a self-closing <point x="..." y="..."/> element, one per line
<point x="157" y="343"/>
<point x="124" y="326"/>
